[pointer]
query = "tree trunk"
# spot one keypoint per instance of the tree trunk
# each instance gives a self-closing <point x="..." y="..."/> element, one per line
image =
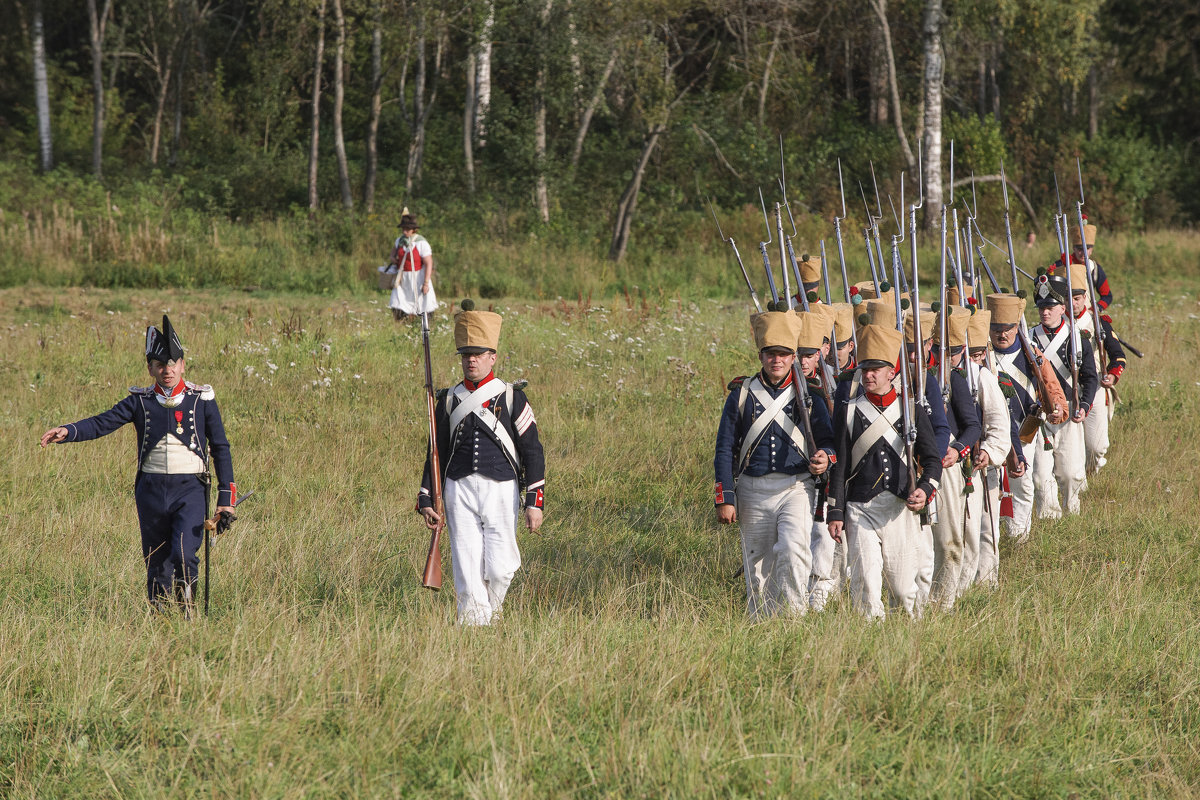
<point x="339" y="98"/>
<point x="422" y="105"/>
<point x="483" y="76"/>
<point x="766" y="78"/>
<point x="541" y="191"/>
<point x="41" y="89"/>
<point x="416" y="145"/>
<point x="314" y="201"/>
<point x="848" y="69"/>
<point x="893" y="83"/>
<point x="165" y="71"/>
<point x="982" y="100"/>
<point x="877" y="80"/>
<point x="372" y="143"/>
<point x="469" y="124"/>
<point x="588" y="112"/>
<point x="96" y="25"/>
<point x="628" y="204"/>
<point x="935" y="68"/>
<point x="1093" y="81"/>
<point x="576" y="66"/>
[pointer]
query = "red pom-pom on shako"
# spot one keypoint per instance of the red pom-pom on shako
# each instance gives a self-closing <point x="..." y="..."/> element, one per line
<point x="971" y="301"/>
<point x="853" y="290"/>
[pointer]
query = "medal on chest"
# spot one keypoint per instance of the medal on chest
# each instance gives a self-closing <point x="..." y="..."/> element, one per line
<point x="179" y="422"/>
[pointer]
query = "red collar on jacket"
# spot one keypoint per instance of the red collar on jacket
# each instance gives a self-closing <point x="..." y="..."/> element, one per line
<point x="179" y="387"/>
<point x="882" y="400"/>
<point x="787" y="380"/>
<point x="472" y="386"/>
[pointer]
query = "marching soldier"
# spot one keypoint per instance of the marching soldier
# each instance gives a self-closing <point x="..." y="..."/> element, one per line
<point x="1026" y="406"/>
<point x="981" y="546"/>
<point x="178" y="425"/>
<point x="962" y="413"/>
<point x="843" y="329"/>
<point x="1064" y="473"/>
<point x="871" y="506"/>
<point x="1104" y="296"/>
<point x="1095" y="427"/>
<point x="765" y="471"/>
<point x="490" y="457"/>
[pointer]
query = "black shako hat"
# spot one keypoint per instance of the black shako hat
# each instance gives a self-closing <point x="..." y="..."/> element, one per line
<point x="163" y="345"/>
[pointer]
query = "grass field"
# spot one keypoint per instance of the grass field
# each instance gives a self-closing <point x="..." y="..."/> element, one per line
<point x="624" y="666"/>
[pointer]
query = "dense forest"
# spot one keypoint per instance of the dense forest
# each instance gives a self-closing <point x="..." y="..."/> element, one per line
<point x="608" y="119"/>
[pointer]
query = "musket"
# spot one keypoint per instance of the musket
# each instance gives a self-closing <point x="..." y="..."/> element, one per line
<point x="837" y="233"/>
<point x="1031" y="354"/>
<point x="432" y="576"/>
<point x="785" y="242"/>
<point x="1097" y="322"/>
<point x="944" y="329"/>
<point x="762" y="248"/>
<point x="907" y="388"/>
<point x="738" y="256"/>
<point x="1076" y="348"/>
<point x="833" y="342"/>
<point x="916" y="286"/>
<point x="871" y="225"/>
<point x="875" y="220"/>
<point x="966" y="278"/>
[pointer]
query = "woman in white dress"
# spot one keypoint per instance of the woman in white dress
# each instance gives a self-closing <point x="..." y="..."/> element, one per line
<point x="412" y="288"/>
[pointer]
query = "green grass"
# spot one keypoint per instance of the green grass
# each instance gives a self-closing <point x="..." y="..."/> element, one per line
<point x="624" y="666"/>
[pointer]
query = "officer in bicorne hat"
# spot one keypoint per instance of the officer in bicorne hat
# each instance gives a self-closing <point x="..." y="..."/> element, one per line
<point x="870" y="504"/>
<point x="765" y="474"/>
<point x="178" y="427"/>
<point x="491" y="458"/>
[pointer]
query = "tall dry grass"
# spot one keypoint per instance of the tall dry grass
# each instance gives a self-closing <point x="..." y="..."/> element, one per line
<point x="624" y="666"/>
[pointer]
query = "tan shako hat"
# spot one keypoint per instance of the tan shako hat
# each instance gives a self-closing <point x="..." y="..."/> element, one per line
<point x="977" y="329"/>
<point x="476" y="331"/>
<point x="812" y="331"/>
<point x="1089" y="235"/>
<point x="882" y="311"/>
<point x="1079" y="279"/>
<point x="827" y="314"/>
<point x="928" y="323"/>
<point x="956" y="327"/>
<point x="879" y="345"/>
<point x="953" y="295"/>
<point x="775" y="329"/>
<point x="810" y="270"/>
<point x="1007" y="309"/>
<point x="843" y="321"/>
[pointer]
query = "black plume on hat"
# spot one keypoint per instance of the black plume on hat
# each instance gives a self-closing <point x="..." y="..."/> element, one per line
<point x="163" y="345"/>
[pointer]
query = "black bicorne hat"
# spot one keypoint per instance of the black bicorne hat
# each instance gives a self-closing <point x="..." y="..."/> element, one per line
<point x="163" y="345"/>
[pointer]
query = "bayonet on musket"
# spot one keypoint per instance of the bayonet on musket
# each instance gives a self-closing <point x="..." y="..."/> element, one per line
<point x="1097" y="322"/>
<point x="738" y="256"/>
<point x="837" y="233"/>
<point x="762" y="248"/>
<point x="1076" y="346"/>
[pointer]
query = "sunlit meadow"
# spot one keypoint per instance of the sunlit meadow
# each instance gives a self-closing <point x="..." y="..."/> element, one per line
<point x="624" y="666"/>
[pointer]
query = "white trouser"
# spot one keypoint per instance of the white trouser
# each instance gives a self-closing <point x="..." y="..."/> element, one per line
<point x="775" y="516"/>
<point x="925" y="559"/>
<point x="988" y="568"/>
<point x="1059" y="471"/>
<point x="1095" y="430"/>
<point x="482" y="516"/>
<point x="972" y="536"/>
<point x="881" y="537"/>
<point x="948" y="537"/>
<point x="828" y="567"/>
<point x="1022" y="488"/>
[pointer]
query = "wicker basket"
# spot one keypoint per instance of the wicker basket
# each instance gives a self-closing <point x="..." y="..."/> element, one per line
<point x="386" y="279"/>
